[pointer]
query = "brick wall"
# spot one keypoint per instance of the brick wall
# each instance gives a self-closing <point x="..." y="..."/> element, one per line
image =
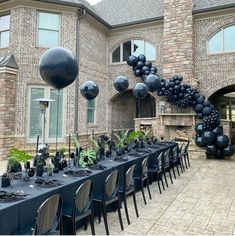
<point x="7" y="112"/>
<point x="178" y="39"/>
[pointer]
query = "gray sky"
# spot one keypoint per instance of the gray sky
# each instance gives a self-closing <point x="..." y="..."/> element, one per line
<point x="93" y="1"/>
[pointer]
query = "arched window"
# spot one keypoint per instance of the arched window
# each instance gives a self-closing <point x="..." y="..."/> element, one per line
<point x="222" y="41"/>
<point x="133" y="47"/>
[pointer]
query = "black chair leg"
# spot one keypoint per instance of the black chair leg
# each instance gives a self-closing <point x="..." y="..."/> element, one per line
<point x="173" y="171"/>
<point x="162" y="182"/>
<point x="142" y="190"/>
<point x="126" y="210"/>
<point x="178" y="169"/>
<point x="85" y="223"/>
<point x="181" y="165"/>
<point x="135" y="204"/>
<point x="99" y="212"/>
<point x="119" y="213"/>
<point x="158" y="183"/>
<point x="169" y="171"/>
<point x="185" y="162"/>
<point x="165" y="178"/>
<point x="92" y="223"/>
<point x="188" y="160"/>
<point x="105" y="219"/>
<point x="147" y="185"/>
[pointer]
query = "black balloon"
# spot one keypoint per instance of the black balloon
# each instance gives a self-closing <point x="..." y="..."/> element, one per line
<point x="89" y="90"/>
<point x="148" y="64"/>
<point x="201" y="99"/>
<point x="121" y="83"/>
<point x="199" y="142"/>
<point x="132" y="60"/>
<point x="145" y="69"/>
<point x="212" y="149"/>
<point x="207" y="111"/>
<point x="153" y="82"/>
<point x="218" y="130"/>
<point x="228" y="151"/>
<point x="142" y="58"/>
<point x="199" y="115"/>
<point x="140" y="91"/>
<point x="139" y="65"/>
<point x="58" y="67"/>
<point x="206" y="103"/>
<point x="137" y="73"/>
<point x="198" y="108"/>
<point x="199" y="128"/>
<point x="222" y="141"/>
<point x="208" y="137"/>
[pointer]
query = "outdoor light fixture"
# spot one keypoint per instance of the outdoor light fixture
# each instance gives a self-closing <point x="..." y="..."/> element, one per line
<point x="44" y="104"/>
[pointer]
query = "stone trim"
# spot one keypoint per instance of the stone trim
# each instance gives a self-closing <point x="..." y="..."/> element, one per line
<point x="8" y="70"/>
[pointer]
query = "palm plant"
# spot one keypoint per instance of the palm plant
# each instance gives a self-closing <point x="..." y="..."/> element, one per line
<point x="122" y="138"/>
<point x="20" y="155"/>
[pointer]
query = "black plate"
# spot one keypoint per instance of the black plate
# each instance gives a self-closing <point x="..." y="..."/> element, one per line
<point x="78" y="173"/>
<point x="11" y="196"/>
<point x="47" y="183"/>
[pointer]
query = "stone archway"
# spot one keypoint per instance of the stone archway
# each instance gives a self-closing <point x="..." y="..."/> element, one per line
<point x="124" y="108"/>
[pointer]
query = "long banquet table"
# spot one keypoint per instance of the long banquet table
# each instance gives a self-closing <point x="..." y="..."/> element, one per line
<point x="15" y="216"/>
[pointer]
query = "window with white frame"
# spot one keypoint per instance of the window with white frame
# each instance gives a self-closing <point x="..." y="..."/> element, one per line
<point x="133" y="47"/>
<point x="35" y="115"/>
<point x="48" y="29"/>
<point x="4" y="31"/>
<point x="222" y="41"/>
<point x="91" y="111"/>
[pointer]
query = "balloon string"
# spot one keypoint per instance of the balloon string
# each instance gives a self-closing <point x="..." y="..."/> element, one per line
<point x="57" y="118"/>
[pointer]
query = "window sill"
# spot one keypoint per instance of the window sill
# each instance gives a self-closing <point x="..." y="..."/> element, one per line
<point x="220" y="53"/>
<point x="124" y="63"/>
<point x="91" y="125"/>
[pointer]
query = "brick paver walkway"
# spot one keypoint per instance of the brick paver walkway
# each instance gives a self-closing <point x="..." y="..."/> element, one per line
<point x="201" y="201"/>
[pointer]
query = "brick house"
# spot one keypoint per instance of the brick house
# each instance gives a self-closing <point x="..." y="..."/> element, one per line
<point x="190" y="38"/>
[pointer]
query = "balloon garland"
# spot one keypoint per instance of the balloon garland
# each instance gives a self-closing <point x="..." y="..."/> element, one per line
<point x="209" y="133"/>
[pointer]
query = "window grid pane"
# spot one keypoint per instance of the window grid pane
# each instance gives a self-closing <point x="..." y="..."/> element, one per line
<point x="4" y="39"/>
<point x="116" y="55"/>
<point x="4" y="23"/>
<point x="91" y="111"/>
<point x="53" y="113"/>
<point x="215" y="43"/>
<point x="229" y="39"/>
<point x="150" y="52"/>
<point x="48" y="38"/>
<point x="35" y="120"/>
<point x="138" y="47"/>
<point x="48" y="21"/>
<point x="126" y="50"/>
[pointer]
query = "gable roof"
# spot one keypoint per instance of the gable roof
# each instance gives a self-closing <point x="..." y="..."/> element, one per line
<point x="121" y="12"/>
<point x="8" y="61"/>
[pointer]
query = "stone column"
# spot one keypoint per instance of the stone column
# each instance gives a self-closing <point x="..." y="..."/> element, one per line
<point x="7" y="109"/>
<point x="178" y="39"/>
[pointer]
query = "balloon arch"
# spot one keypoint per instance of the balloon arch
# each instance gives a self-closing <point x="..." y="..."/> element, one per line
<point x="209" y="133"/>
<point x="59" y="68"/>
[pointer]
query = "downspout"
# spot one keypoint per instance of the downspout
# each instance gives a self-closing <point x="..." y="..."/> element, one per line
<point x="81" y="13"/>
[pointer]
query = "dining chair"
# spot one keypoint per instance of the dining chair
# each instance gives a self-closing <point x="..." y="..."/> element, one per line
<point x="155" y="169"/>
<point x="144" y="178"/>
<point x="185" y="155"/>
<point x="110" y="195"/>
<point x="48" y="218"/>
<point x="166" y="165"/>
<point x="174" y="160"/>
<point x="128" y="189"/>
<point x="82" y="208"/>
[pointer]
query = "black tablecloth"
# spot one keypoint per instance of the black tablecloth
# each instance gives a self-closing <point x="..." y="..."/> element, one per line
<point x="15" y="216"/>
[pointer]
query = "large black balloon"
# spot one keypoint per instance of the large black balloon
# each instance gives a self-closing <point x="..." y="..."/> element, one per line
<point x="208" y="137"/>
<point x="121" y="83"/>
<point x="140" y="90"/>
<point x="207" y="111"/>
<point x="212" y="149"/>
<point x="58" y="67"/>
<point x="199" y="142"/>
<point x="153" y="82"/>
<point x="89" y="90"/>
<point x="199" y="128"/>
<point x="218" y="130"/>
<point x="228" y="151"/>
<point x="132" y="60"/>
<point x="222" y="141"/>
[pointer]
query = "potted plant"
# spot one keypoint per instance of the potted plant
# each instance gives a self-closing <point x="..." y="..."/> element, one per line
<point x="49" y="169"/>
<point x="62" y="157"/>
<point x="21" y="156"/>
<point x="13" y="165"/>
<point x="122" y="141"/>
<point x="87" y="157"/>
